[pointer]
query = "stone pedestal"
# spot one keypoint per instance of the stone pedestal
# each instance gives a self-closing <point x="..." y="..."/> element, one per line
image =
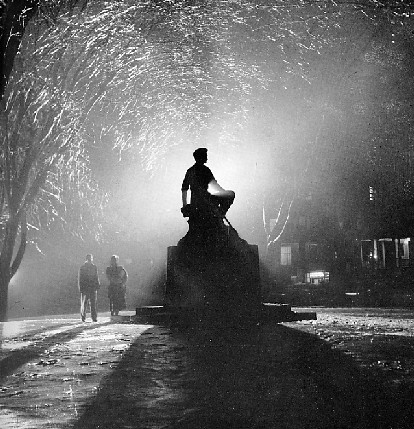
<point x="215" y="273"/>
<point x="213" y="281"/>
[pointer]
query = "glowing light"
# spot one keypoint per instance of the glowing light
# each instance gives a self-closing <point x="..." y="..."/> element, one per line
<point x="13" y="328"/>
<point x="214" y="188"/>
<point x="317" y="274"/>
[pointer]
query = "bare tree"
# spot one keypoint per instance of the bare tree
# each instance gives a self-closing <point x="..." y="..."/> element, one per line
<point x="123" y="67"/>
<point x="15" y="16"/>
<point x="44" y="166"/>
<point x="139" y="71"/>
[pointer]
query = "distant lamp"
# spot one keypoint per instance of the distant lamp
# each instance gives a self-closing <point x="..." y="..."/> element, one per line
<point x="317" y="274"/>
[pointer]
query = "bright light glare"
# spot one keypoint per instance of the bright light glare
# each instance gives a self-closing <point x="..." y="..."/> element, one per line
<point x="13" y="328"/>
<point x="215" y="189"/>
<point x="317" y="274"/>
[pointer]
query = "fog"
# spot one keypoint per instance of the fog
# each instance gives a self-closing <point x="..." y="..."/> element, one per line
<point x="144" y="217"/>
<point x="290" y="132"/>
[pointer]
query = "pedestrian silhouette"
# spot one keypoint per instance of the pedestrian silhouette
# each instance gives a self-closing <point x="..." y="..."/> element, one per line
<point x="117" y="276"/>
<point x="88" y="283"/>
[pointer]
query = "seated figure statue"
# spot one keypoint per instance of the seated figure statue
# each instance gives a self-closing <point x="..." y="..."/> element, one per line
<point x="211" y="268"/>
<point x="209" y="201"/>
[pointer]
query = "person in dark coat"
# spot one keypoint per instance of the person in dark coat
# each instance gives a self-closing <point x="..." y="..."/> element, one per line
<point x="88" y="283"/>
<point x="117" y="277"/>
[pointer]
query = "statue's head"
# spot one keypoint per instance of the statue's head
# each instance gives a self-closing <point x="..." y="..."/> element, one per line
<point x="200" y="155"/>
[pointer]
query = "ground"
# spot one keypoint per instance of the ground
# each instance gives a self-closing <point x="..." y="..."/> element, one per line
<point x="350" y="368"/>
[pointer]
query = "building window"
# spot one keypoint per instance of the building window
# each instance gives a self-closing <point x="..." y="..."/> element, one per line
<point x="369" y="253"/>
<point x="286" y="255"/>
<point x="317" y="277"/>
<point x="312" y="252"/>
<point x="372" y="193"/>
<point x="405" y="248"/>
<point x="403" y="251"/>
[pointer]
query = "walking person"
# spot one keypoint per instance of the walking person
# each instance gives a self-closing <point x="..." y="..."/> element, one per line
<point x="88" y="283"/>
<point x="117" y="277"/>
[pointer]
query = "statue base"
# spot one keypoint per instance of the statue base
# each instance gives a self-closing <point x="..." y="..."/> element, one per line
<point x="213" y="279"/>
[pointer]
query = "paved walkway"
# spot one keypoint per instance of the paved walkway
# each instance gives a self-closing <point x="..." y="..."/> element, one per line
<point x="271" y="377"/>
<point x="116" y="374"/>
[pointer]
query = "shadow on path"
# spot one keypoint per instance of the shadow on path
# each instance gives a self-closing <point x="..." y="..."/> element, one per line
<point x="269" y="377"/>
<point x="15" y="358"/>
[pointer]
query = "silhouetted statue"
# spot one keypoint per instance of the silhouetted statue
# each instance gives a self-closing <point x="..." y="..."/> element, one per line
<point x="209" y="201"/>
<point x="211" y="269"/>
<point x="213" y="275"/>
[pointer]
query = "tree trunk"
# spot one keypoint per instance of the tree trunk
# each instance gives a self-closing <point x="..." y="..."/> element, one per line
<point x="4" y="292"/>
<point x="6" y="256"/>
